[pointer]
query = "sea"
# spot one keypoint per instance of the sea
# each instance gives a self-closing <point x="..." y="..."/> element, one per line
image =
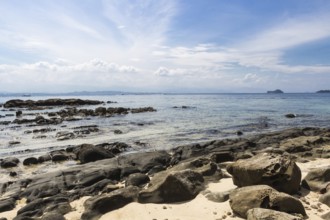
<point x="180" y="119"/>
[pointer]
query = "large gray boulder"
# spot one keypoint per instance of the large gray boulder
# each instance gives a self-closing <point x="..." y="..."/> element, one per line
<point x="317" y="179"/>
<point x="267" y="214"/>
<point x="262" y="196"/>
<point x="277" y="171"/>
<point x="170" y="187"/>
<point x="325" y="198"/>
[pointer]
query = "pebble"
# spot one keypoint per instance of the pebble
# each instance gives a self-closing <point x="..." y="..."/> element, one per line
<point x="314" y="206"/>
<point x="164" y="207"/>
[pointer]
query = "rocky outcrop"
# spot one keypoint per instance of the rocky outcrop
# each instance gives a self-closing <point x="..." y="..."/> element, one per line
<point x="267" y="214"/>
<point x="169" y="187"/>
<point x="18" y="103"/>
<point x="262" y="196"/>
<point x="278" y="171"/>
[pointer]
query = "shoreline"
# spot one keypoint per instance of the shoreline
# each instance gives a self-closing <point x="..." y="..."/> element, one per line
<point x="93" y="180"/>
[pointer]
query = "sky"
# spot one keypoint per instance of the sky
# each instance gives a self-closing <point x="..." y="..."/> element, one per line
<point x="164" y="45"/>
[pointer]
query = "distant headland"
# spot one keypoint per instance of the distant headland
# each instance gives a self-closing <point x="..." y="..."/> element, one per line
<point x="277" y="91"/>
<point x="323" y="91"/>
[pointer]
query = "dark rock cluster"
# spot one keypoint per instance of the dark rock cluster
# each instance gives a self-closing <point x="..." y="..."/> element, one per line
<point x="262" y="166"/>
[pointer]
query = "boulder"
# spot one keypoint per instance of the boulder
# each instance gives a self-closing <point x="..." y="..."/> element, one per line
<point x="9" y="162"/>
<point x="325" y="198"/>
<point x="317" y="179"/>
<point x="278" y="171"/>
<point x="137" y="179"/>
<point x="267" y="214"/>
<point x="262" y="196"/>
<point x="89" y="153"/>
<point x="170" y="187"/>
<point x="30" y="161"/>
<point x="7" y="204"/>
<point x="99" y="205"/>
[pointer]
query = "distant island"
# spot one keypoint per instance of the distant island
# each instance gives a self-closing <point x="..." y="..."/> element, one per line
<point x="277" y="91"/>
<point x="323" y="91"/>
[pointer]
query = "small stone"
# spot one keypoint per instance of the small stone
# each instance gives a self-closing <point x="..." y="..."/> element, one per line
<point x="224" y="216"/>
<point x="314" y="206"/>
<point x="12" y="173"/>
<point x="228" y="213"/>
<point x="164" y="207"/>
<point x="215" y="213"/>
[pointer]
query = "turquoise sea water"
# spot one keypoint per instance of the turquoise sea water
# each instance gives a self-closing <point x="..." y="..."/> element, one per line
<point x="207" y="117"/>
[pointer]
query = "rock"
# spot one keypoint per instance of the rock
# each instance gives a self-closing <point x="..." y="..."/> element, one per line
<point x="30" y="161"/>
<point x="145" y="109"/>
<point x="99" y="205"/>
<point x="19" y="113"/>
<point x="137" y="179"/>
<point x="7" y="204"/>
<point x="11" y="143"/>
<point x="37" y="207"/>
<point x="290" y="115"/>
<point x="267" y="214"/>
<point x="59" y="155"/>
<point x="101" y="111"/>
<point x="326" y="216"/>
<point x="172" y="187"/>
<point x="278" y="171"/>
<point x="52" y="216"/>
<point x="317" y="179"/>
<point x="239" y="133"/>
<point x="217" y="196"/>
<point x="204" y="166"/>
<point x="117" y="131"/>
<point x="262" y="196"/>
<point x="221" y="157"/>
<point x="44" y="158"/>
<point x="9" y="162"/>
<point x="325" y="198"/>
<point x="89" y="153"/>
<point x="12" y="173"/>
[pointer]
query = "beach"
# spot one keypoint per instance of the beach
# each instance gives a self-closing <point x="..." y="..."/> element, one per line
<point x="90" y="175"/>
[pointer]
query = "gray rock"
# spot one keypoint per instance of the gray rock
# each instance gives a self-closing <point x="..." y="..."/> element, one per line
<point x="9" y="162"/>
<point x="267" y="214"/>
<point x="317" y="179"/>
<point x="52" y="216"/>
<point x="137" y="179"/>
<point x="325" y="198"/>
<point x="262" y="196"/>
<point x="7" y="204"/>
<point x="30" y="161"/>
<point x="326" y="216"/>
<point x="99" y="205"/>
<point x="90" y="153"/>
<point x="278" y="171"/>
<point x="175" y="186"/>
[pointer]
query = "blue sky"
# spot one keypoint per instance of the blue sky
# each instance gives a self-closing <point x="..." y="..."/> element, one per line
<point x="164" y="45"/>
